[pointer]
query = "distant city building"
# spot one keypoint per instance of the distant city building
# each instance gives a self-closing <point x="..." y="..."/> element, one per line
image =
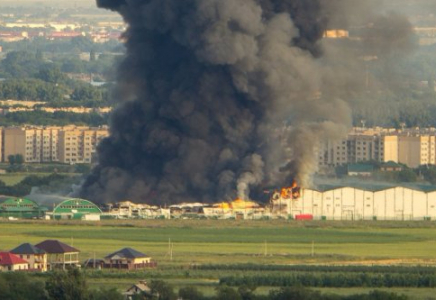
<point x="35" y="144"/>
<point x="336" y="33"/>
<point x="69" y="144"/>
<point x="412" y="147"/>
<point x="78" y="144"/>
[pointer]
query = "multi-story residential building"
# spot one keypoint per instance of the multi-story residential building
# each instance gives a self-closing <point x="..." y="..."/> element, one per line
<point x="78" y="144"/>
<point x="35" y="144"/>
<point x="412" y="147"/>
<point x="69" y="144"/>
<point x="414" y="151"/>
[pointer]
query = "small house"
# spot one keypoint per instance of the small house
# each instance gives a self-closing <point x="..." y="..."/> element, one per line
<point x="128" y="258"/>
<point x="360" y="170"/>
<point x="12" y="262"/>
<point x="391" y="166"/>
<point x="37" y="258"/>
<point x="59" y="255"/>
<point x="140" y="288"/>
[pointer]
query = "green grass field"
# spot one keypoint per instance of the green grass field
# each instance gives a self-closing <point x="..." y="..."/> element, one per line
<point x="212" y="241"/>
<point x="11" y="179"/>
<point x="234" y="242"/>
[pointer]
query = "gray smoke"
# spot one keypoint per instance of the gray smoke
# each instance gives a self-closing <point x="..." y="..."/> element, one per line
<point x="219" y="98"/>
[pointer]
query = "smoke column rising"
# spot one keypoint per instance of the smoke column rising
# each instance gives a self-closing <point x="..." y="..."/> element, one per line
<point x="206" y="89"/>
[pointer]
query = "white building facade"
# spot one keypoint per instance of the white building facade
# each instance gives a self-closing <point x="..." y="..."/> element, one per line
<point x="348" y="203"/>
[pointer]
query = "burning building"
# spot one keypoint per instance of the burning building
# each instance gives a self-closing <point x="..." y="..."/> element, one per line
<point x="202" y="90"/>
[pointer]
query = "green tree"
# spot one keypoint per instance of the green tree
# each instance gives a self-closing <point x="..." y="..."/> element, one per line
<point x="92" y="55"/>
<point x="83" y="168"/>
<point x="82" y="43"/>
<point x="19" y="286"/>
<point x="11" y="159"/>
<point x="70" y="285"/>
<point x="19" y="159"/>
<point x="86" y="93"/>
<point x="428" y="172"/>
<point x="160" y="290"/>
<point x="51" y="73"/>
<point x="247" y="292"/>
<point x="20" y="64"/>
<point x="106" y="294"/>
<point x="407" y="175"/>
<point x="190" y="293"/>
<point x="39" y="55"/>
<point x="294" y="293"/>
<point x="377" y="295"/>
<point x="225" y="293"/>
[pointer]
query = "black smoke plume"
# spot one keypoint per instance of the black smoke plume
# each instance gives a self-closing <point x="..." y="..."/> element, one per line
<point x="218" y="99"/>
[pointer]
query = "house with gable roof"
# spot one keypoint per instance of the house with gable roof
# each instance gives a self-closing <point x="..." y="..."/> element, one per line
<point x="128" y="258"/>
<point x="11" y="262"/>
<point x="59" y="255"/>
<point x="140" y="288"/>
<point x="36" y="257"/>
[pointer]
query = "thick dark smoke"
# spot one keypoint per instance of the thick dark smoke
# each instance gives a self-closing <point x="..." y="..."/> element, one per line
<point x="218" y="96"/>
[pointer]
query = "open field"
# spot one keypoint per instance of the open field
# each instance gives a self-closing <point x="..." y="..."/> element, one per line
<point x="197" y="242"/>
<point x="11" y="179"/>
<point x="230" y="241"/>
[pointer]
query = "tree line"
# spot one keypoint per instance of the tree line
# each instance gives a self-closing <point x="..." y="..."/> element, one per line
<point x="334" y="280"/>
<point x="72" y="285"/>
<point x="319" y="268"/>
<point x="57" y="118"/>
<point x="24" y="187"/>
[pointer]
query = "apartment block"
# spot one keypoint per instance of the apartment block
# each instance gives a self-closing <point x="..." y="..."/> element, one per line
<point x="69" y="144"/>
<point x="416" y="150"/>
<point x="35" y="144"/>
<point x="412" y="147"/>
<point x="78" y="145"/>
<point x="360" y="145"/>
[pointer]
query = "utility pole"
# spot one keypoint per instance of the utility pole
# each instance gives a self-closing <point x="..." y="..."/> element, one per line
<point x="170" y="249"/>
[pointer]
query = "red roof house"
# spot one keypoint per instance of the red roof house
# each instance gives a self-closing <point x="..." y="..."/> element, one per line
<point x="11" y="262"/>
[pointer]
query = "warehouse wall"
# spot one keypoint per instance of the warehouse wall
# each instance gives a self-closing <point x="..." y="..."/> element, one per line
<point x="349" y="203"/>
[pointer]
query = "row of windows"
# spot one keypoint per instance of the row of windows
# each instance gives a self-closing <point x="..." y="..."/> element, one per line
<point x="16" y="205"/>
<point x="77" y="206"/>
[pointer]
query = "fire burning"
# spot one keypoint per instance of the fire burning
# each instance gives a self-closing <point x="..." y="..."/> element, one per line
<point x="293" y="191"/>
<point x="290" y="192"/>
<point x="205" y="86"/>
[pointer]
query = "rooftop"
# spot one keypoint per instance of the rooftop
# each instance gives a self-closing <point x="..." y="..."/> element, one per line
<point x="360" y="168"/>
<point x="9" y="259"/>
<point x="127" y="253"/>
<point x="55" y="246"/>
<point x="27" y="248"/>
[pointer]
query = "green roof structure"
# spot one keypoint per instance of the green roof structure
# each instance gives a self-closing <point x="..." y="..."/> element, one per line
<point x="360" y="168"/>
<point x="391" y="164"/>
<point x="22" y="208"/>
<point x="75" y="208"/>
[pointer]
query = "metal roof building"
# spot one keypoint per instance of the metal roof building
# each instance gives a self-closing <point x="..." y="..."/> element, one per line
<point x="22" y="208"/>
<point x="76" y="209"/>
<point x="354" y="203"/>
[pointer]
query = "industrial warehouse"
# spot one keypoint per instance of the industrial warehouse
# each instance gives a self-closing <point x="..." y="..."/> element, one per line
<point x="333" y="203"/>
<point x="347" y="203"/>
